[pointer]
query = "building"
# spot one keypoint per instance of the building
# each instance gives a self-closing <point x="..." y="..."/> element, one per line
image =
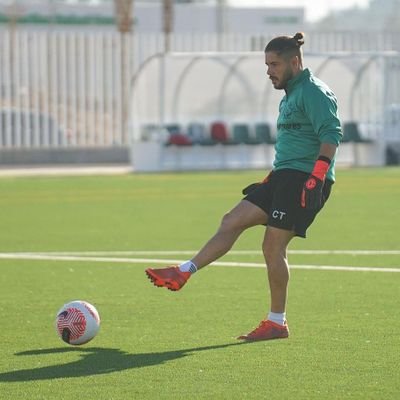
<point x="189" y="18"/>
<point x="381" y="15"/>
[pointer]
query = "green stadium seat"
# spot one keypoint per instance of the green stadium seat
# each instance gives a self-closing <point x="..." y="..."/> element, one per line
<point x="351" y="133"/>
<point x="241" y="134"/>
<point x="174" y="128"/>
<point x="263" y="133"/>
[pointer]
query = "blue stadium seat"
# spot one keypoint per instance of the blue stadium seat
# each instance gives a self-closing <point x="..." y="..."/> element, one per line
<point x="198" y="134"/>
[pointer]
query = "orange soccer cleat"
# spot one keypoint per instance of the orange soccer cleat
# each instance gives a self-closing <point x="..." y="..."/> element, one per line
<point x="267" y="330"/>
<point x="170" y="277"/>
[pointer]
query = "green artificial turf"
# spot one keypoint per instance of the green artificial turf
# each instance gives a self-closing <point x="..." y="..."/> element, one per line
<point x="156" y="344"/>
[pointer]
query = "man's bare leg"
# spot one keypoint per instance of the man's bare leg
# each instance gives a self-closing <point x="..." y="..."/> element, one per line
<point x="241" y="217"/>
<point x="274" y="249"/>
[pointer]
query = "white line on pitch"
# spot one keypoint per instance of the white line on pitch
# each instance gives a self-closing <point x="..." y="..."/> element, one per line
<point x="150" y="261"/>
<point x="232" y="252"/>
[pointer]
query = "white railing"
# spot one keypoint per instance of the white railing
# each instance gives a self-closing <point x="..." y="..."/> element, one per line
<point x="63" y="89"/>
<point x="71" y="89"/>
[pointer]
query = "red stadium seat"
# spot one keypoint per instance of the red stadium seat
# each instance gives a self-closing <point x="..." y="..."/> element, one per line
<point x="219" y="132"/>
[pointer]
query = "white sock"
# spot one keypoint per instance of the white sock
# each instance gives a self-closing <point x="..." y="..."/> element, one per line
<point x="188" y="266"/>
<point x="278" y="318"/>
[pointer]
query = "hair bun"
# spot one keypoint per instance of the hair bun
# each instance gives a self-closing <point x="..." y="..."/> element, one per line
<point x="299" y="38"/>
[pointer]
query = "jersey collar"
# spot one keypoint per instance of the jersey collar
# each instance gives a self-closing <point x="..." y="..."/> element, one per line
<point x="305" y="74"/>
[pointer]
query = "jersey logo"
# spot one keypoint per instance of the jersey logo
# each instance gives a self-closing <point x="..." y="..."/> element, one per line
<point x="288" y="109"/>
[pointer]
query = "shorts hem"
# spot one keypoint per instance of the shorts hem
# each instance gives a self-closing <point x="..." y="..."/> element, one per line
<point x="296" y="232"/>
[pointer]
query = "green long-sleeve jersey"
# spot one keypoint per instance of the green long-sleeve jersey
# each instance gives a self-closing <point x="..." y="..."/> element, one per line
<point x="308" y="117"/>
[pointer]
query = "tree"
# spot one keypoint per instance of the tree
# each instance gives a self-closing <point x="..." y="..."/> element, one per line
<point x="123" y="15"/>
<point x="167" y="23"/>
<point x="124" y="19"/>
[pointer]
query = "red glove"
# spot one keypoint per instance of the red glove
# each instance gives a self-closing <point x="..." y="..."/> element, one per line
<point x="311" y="196"/>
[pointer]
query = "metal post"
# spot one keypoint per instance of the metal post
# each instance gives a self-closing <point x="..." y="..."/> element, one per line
<point x="167" y="23"/>
<point x="220" y="23"/>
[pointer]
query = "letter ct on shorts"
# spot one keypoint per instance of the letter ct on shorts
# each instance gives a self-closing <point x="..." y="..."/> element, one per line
<point x="276" y="214"/>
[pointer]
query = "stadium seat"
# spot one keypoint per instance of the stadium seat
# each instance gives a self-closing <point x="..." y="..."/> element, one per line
<point x="174" y="128"/>
<point x="153" y="132"/>
<point x="392" y="155"/>
<point x="198" y="134"/>
<point x="241" y="134"/>
<point x="179" y="139"/>
<point x="351" y="133"/>
<point x="177" y="136"/>
<point x="219" y="132"/>
<point x="263" y="133"/>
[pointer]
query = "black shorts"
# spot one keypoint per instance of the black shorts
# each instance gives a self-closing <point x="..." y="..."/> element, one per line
<point x="280" y="199"/>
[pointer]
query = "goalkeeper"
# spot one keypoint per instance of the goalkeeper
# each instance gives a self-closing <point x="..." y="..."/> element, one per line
<point x="290" y="197"/>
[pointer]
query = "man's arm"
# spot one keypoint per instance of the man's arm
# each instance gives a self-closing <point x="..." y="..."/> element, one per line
<point x="328" y="150"/>
<point x="311" y="195"/>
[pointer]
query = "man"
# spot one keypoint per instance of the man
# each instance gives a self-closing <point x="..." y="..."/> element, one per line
<point x="290" y="197"/>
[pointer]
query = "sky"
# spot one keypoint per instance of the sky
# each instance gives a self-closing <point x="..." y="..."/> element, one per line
<point x="314" y="9"/>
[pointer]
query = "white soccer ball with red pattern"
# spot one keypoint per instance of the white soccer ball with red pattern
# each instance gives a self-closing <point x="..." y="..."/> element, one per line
<point x="77" y="322"/>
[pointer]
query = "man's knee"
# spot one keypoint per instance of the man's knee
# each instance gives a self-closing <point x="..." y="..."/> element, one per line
<point x="273" y="255"/>
<point x="244" y="215"/>
<point x="275" y="248"/>
<point x="230" y="222"/>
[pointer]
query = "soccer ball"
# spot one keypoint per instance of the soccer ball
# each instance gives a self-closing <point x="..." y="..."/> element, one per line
<point x="77" y="322"/>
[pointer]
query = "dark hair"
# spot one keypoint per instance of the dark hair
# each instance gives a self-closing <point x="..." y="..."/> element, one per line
<point x="288" y="46"/>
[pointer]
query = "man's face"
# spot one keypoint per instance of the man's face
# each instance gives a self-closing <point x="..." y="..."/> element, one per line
<point x="279" y="70"/>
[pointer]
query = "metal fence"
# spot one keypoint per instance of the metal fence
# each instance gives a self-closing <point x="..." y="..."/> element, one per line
<point x="63" y="89"/>
<point x="186" y="88"/>
<point x="71" y="89"/>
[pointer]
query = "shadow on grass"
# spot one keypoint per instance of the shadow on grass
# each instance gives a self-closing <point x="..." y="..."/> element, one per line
<point x="96" y="361"/>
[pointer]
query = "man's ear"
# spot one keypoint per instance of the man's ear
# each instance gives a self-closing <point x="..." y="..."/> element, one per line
<point x="295" y="61"/>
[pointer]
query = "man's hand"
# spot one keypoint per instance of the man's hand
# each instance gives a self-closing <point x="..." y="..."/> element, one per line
<point x="311" y="195"/>
<point x="252" y="186"/>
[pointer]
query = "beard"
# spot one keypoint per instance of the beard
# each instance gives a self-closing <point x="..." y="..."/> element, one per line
<point x="282" y="83"/>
